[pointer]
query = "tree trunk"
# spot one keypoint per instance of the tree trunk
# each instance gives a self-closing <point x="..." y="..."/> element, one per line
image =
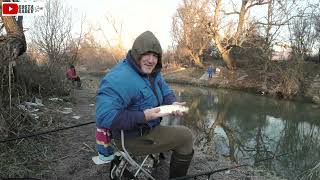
<point x="197" y="61"/>
<point x="14" y="44"/>
<point x="225" y="53"/>
<point x="241" y="21"/>
<point x="227" y="58"/>
<point x="11" y="46"/>
<point x="195" y="57"/>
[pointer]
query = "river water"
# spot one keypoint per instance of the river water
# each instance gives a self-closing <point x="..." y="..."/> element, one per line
<point x="248" y="128"/>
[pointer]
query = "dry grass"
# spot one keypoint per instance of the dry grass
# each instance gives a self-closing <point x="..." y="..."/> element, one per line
<point x="32" y="156"/>
<point x="28" y="157"/>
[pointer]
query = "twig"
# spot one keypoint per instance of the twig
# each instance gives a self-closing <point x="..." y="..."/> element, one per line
<point x="92" y="150"/>
<point x="70" y="155"/>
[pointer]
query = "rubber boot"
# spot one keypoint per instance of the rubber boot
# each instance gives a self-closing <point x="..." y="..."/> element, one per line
<point x="179" y="164"/>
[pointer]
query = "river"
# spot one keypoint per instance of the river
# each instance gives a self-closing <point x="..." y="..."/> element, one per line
<point x="248" y="128"/>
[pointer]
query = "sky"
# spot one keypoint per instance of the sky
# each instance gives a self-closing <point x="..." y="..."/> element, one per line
<point x="135" y="16"/>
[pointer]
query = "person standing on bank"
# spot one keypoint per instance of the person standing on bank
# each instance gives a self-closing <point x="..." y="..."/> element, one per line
<point x="210" y="71"/>
<point x="127" y="99"/>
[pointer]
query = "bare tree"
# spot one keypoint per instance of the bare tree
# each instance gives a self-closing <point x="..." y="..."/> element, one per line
<point x="225" y="47"/>
<point x="189" y="29"/>
<point x="304" y="32"/>
<point x="118" y="50"/>
<point x="317" y="25"/>
<point x="95" y="55"/>
<point x="282" y="20"/>
<point x="202" y="21"/>
<point x="238" y="29"/>
<point x="75" y="46"/>
<point x="52" y="32"/>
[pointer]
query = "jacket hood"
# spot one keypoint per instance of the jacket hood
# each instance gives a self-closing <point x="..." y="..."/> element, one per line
<point x="146" y="42"/>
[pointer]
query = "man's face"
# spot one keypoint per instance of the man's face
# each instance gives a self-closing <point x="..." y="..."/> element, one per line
<point x="148" y="62"/>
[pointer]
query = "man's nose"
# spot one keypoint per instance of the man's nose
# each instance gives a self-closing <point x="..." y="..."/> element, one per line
<point x="151" y="58"/>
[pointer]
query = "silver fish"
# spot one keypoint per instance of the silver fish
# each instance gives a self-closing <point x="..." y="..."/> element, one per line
<point x="171" y="108"/>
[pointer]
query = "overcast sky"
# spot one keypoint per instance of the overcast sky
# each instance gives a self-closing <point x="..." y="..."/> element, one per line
<point x="135" y="16"/>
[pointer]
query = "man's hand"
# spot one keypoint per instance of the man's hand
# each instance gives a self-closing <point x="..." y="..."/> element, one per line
<point x="178" y="113"/>
<point x="153" y="113"/>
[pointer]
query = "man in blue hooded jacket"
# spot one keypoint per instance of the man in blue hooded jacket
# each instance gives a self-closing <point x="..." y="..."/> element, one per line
<point x="128" y="98"/>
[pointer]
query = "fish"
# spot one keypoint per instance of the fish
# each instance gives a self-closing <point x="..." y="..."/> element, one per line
<point x="171" y="108"/>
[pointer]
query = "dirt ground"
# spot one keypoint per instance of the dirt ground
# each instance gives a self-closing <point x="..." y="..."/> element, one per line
<point x="75" y="147"/>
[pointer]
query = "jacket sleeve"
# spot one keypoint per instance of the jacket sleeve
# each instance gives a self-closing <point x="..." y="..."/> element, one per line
<point x="128" y="120"/>
<point x="167" y="93"/>
<point x="169" y="99"/>
<point x="111" y="110"/>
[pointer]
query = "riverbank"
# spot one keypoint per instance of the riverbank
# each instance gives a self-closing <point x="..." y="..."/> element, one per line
<point x="283" y="85"/>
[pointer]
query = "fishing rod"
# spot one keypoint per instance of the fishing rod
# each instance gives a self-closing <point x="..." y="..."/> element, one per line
<point x="209" y="173"/>
<point x="45" y="132"/>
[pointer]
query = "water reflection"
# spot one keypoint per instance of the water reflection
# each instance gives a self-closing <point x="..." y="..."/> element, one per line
<point x="247" y="128"/>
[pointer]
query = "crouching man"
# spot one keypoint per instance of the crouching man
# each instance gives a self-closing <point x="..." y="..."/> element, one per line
<point x="127" y="99"/>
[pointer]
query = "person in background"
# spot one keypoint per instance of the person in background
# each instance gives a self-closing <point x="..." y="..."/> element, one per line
<point x="127" y="99"/>
<point x="210" y="71"/>
<point x="72" y="75"/>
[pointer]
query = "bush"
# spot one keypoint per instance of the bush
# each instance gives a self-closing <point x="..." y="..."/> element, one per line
<point x="41" y="80"/>
<point x="285" y="79"/>
<point x="314" y="58"/>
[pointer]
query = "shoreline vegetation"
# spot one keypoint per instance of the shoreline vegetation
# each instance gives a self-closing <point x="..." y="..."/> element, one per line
<point x="272" y="84"/>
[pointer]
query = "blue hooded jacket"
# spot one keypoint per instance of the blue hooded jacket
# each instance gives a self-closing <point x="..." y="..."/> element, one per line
<point x="125" y="92"/>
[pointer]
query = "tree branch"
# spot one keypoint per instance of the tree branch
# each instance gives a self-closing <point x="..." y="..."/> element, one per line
<point x="256" y="4"/>
<point x="281" y="23"/>
<point x="229" y="13"/>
